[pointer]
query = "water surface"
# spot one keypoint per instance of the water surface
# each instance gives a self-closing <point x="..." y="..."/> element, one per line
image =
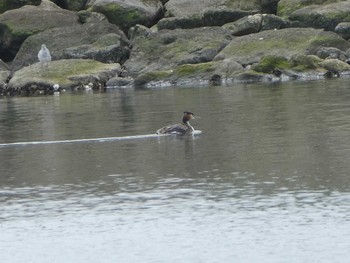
<point x="267" y="180"/>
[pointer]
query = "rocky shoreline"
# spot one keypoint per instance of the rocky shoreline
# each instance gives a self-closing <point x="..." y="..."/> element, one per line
<point x="159" y="43"/>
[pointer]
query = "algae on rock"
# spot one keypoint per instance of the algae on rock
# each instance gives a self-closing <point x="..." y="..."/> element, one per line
<point x="126" y="14"/>
<point x="249" y="49"/>
<point x="168" y="48"/>
<point x="67" y="73"/>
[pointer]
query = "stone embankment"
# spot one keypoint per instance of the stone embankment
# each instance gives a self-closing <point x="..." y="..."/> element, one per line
<point x="157" y="43"/>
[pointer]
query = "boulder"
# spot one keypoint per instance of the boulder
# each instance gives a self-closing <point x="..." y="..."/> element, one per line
<point x="270" y="21"/>
<point x="4" y="76"/>
<point x="68" y="74"/>
<point x="246" y="25"/>
<point x="110" y="48"/>
<point x="255" y="23"/>
<point x="4" y="66"/>
<point x="190" y="8"/>
<point x="181" y="75"/>
<point x="213" y="17"/>
<point x="335" y="65"/>
<point x="100" y="41"/>
<point x="249" y="49"/>
<point x="120" y="82"/>
<point x="139" y="31"/>
<point x="331" y="52"/>
<point x="325" y="16"/>
<point x="74" y="5"/>
<point x="296" y="64"/>
<point x="168" y="48"/>
<point x="343" y="29"/>
<point x="286" y="7"/>
<point x="6" y="5"/>
<point x="16" y="25"/>
<point x="304" y="63"/>
<point x="126" y="14"/>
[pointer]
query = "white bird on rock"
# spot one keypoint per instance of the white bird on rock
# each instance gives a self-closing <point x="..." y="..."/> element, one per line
<point x="44" y="54"/>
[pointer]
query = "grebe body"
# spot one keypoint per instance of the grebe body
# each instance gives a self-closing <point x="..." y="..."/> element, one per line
<point x="182" y="128"/>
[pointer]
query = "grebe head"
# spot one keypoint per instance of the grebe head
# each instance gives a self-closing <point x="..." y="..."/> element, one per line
<point x="187" y="117"/>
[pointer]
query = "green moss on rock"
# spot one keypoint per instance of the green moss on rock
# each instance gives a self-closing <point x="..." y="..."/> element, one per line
<point x="305" y="63"/>
<point x="335" y="65"/>
<point x="193" y="69"/>
<point x="66" y="73"/>
<point x="125" y="14"/>
<point x="285" y="42"/>
<point x="269" y="63"/>
<point x="152" y="76"/>
<point x="286" y="7"/>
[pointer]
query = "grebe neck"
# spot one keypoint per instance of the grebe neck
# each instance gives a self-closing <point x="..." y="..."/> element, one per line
<point x="187" y="123"/>
<point x="185" y="119"/>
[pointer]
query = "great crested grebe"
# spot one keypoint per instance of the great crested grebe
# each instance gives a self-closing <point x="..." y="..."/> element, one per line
<point x="181" y="128"/>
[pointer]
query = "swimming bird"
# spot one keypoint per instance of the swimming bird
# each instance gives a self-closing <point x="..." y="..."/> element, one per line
<point x="44" y="54"/>
<point x="182" y="128"/>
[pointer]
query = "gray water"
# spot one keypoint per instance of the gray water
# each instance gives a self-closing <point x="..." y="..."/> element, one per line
<point x="268" y="180"/>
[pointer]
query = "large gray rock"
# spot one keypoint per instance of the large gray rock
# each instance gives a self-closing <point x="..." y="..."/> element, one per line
<point x="97" y="40"/>
<point x="245" y="25"/>
<point x="325" y="16"/>
<point x="74" y="5"/>
<point x="286" y="7"/>
<point x="212" y="17"/>
<point x="126" y="14"/>
<point x="255" y="23"/>
<point x="190" y="8"/>
<point x="169" y="48"/>
<point x="68" y="74"/>
<point x="16" y="25"/>
<point x="249" y="49"/>
<point x="4" y="75"/>
<point x="343" y="29"/>
<point x="6" y="5"/>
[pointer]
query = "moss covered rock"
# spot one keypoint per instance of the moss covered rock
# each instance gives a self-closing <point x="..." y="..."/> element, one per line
<point x="249" y="49"/>
<point x="6" y="5"/>
<point x="188" y="8"/>
<point x="16" y="25"/>
<point x="286" y="7"/>
<point x="184" y="75"/>
<point x="343" y="29"/>
<point x="100" y="40"/>
<point x="75" y="5"/>
<point x="335" y="65"/>
<point x="255" y="23"/>
<point x="210" y="17"/>
<point x="168" y="48"/>
<point x="325" y="16"/>
<point x="4" y="75"/>
<point x="68" y="74"/>
<point x="126" y="14"/>
<point x="302" y="63"/>
<point x="245" y="25"/>
<point x="270" y="63"/>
